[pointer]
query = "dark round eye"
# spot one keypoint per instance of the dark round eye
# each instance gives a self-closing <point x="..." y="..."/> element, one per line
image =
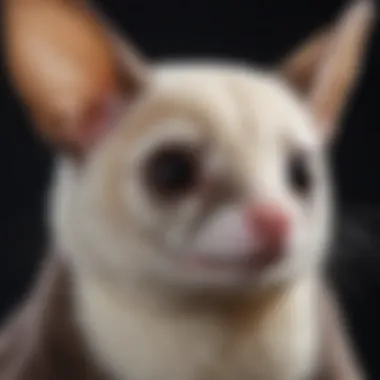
<point x="173" y="171"/>
<point x="300" y="177"/>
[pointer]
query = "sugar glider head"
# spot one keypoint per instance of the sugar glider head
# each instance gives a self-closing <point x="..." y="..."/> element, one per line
<point x="202" y="174"/>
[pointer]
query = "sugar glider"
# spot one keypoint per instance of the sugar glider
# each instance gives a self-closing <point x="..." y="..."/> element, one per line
<point x="190" y="210"/>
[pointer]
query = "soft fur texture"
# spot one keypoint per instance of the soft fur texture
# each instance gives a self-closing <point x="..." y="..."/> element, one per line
<point x="164" y="288"/>
<point x="133" y="258"/>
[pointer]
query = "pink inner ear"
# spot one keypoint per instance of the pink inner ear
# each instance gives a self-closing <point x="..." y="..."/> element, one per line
<point x="98" y="120"/>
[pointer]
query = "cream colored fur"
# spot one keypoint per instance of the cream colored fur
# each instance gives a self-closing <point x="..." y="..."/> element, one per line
<point x="138" y="302"/>
<point x="147" y="309"/>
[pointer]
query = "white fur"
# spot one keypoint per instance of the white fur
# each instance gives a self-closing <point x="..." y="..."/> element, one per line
<point x="131" y="256"/>
<point x="136" y="338"/>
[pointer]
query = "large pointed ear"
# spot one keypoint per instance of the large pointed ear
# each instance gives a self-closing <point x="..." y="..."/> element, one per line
<point x="326" y="67"/>
<point x="72" y="76"/>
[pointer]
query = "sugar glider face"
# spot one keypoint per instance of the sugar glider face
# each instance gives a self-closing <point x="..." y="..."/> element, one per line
<point x="215" y="178"/>
<point x="214" y="175"/>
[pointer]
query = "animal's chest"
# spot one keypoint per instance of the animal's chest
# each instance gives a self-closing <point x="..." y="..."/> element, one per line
<point x="279" y="346"/>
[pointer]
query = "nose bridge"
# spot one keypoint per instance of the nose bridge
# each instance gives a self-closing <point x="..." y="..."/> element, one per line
<point x="237" y="164"/>
<point x="265" y="184"/>
<point x="260" y="174"/>
<point x="255" y="167"/>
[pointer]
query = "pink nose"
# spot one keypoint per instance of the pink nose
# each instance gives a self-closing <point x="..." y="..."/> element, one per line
<point x="270" y="224"/>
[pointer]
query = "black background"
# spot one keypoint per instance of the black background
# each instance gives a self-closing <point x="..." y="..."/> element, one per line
<point x="259" y="31"/>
